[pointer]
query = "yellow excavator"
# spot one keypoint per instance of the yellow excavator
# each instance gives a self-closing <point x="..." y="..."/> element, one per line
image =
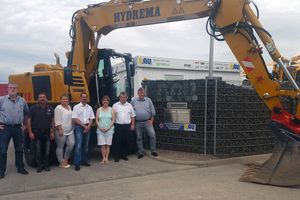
<point x="293" y="66"/>
<point x="232" y="21"/>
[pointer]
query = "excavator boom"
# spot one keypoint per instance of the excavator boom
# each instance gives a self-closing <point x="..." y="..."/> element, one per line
<point x="230" y="20"/>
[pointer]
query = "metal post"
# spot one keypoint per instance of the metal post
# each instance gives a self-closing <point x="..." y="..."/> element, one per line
<point x="96" y="74"/>
<point x="211" y="56"/>
<point x="97" y="86"/>
<point x="215" y="117"/>
<point x="205" y="116"/>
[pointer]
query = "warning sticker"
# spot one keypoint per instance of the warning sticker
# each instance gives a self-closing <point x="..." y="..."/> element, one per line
<point x="248" y="64"/>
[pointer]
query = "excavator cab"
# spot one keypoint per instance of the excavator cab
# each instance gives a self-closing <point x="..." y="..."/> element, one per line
<point x="295" y="72"/>
<point x="104" y="81"/>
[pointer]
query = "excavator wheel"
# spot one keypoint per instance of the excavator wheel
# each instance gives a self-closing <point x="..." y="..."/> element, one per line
<point x="283" y="167"/>
<point x="28" y="149"/>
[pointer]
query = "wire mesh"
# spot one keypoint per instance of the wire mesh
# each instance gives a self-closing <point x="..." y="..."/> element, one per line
<point x="242" y="118"/>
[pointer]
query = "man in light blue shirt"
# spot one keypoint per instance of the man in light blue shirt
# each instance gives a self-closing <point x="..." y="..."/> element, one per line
<point x="13" y="110"/>
<point x="145" y="113"/>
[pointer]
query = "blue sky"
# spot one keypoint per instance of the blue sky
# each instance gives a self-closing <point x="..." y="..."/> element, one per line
<point x="32" y="30"/>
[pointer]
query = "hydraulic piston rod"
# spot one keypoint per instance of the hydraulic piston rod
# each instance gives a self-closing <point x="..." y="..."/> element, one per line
<point x="287" y="74"/>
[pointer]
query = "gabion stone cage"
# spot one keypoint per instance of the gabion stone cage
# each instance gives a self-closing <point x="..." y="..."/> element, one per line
<point x="236" y="122"/>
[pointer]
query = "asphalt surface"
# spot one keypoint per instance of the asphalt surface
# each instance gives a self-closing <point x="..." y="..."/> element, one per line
<point x="167" y="161"/>
<point x="209" y="183"/>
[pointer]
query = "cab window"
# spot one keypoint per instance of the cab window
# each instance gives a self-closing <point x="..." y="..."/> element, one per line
<point x="298" y="76"/>
<point x="41" y="84"/>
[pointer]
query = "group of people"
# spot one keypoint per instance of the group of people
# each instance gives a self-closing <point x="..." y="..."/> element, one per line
<point x="62" y="122"/>
<point x="71" y="128"/>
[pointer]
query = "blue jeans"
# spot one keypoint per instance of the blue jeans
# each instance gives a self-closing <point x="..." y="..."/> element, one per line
<point x="140" y="127"/>
<point x="81" y="145"/>
<point x="5" y="136"/>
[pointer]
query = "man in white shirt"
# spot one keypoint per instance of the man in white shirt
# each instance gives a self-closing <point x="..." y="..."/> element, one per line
<point x="124" y="124"/>
<point x="83" y="116"/>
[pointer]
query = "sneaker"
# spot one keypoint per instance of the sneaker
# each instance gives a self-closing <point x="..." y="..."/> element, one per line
<point x="22" y="171"/>
<point x="77" y="167"/>
<point x="39" y="169"/>
<point x="140" y="156"/>
<point x="117" y="158"/>
<point x="124" y="157"/>
<point x="154" y="154"/>
<point x="86" y="164"/>
<point x="65" y="167"/>
<point x="47" y="168"/>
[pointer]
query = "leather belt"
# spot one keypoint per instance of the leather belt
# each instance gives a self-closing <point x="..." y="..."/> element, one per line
<point x="83" y="124"/>
<point x="141" y="120"/>
<point x="11" y="125"/>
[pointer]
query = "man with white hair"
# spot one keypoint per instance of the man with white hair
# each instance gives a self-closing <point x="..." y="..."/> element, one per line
<point x="13" y="113"/>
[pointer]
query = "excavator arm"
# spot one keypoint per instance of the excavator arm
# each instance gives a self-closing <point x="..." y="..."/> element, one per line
<point x="88" y="25"/>
<point x="231" y="20"/>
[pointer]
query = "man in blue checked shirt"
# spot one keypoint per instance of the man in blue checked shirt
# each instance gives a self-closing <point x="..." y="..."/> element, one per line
<point x="145" y="113"/>
<point x="13" y="113"/>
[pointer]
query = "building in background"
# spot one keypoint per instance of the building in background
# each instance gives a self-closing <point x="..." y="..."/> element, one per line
<point x="3" y="89"/>
<point x="154" y="68"/>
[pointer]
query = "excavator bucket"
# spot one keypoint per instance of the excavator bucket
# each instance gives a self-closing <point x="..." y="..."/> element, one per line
<point x="283" y="167"/>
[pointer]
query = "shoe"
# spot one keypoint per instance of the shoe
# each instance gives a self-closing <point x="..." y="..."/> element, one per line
<point x="39" y="169"/>
<point x="1" y="175"/>
<point x="65" y="167"/>
<point x="117" y="158"/>
<point x="47" y="168"/>
<point x="140" y="156"/>
<point x="77" y="167"/>
<point x="22" y="171"/>
<point x="124" y="157"/>
<point x="86" y="164"/>
<point x="154" y="154"/>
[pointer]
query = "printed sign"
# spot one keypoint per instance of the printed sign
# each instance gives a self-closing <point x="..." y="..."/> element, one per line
<point x="131" y="15"/>
<point x="26" y="95"/>
<point x="177" y="126"/>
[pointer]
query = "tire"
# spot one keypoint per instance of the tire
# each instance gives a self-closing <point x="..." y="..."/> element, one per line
<point x="28" y="149"/>
<point x="93" y="136"/>
<point x="52" y="154"/>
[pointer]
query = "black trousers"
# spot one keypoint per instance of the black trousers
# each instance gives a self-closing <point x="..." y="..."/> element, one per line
<point x="120" y="138"/>
<point x="41" y="146"/>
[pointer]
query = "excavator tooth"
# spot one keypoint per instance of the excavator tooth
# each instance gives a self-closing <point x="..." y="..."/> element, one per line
<point x="250" y="164"/>
<point x="283" y="168"/>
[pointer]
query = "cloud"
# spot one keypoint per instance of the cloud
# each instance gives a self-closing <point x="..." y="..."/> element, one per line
<point x="34" y="29"/>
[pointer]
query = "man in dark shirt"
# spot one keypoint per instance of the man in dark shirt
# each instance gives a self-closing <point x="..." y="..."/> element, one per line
<point x="40" y="122"/>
